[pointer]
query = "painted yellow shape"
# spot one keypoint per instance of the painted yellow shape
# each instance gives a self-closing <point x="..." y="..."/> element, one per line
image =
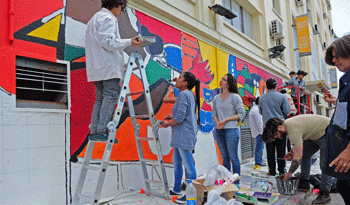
<point x="49" y="30"/>
<point x="222" y="63"/>
<point x="208" y="52"/>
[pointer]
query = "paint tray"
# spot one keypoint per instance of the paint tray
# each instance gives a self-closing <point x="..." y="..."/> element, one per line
<point x="262" y="197"/>
<point x="147" y="40"/>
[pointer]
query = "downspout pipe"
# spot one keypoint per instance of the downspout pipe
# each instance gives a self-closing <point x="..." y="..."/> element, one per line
<point x="11" y="20"/>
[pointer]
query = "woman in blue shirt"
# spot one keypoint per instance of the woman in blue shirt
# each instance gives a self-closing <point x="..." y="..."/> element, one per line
<point x="184" y="128"/>
<point x="227" y="111"/>
<point x="337" y="162"/>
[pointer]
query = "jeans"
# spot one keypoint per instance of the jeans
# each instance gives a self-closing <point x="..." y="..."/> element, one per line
<point x="310" y="147"/>
<point x="278" y="145"/>
<point x="259" y="150"/>
<point x="228" y="140"/>
<point x="107" y="92"/>
<point x="185" y="156"/>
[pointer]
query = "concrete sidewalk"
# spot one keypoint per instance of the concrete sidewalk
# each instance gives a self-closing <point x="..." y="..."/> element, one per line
<point x="134" y="196"/>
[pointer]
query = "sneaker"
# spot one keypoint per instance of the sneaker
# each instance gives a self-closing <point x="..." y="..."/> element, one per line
<point x="262" y="164"/>
<point x="322" y="198"/>
<point x="181" y="200"/>
<point x="271" y="174"/>
<point x="100" y="137"/>
<point x="172" y="193"/>
<point x="304" y="185"/>
<point x="183" y="186"/>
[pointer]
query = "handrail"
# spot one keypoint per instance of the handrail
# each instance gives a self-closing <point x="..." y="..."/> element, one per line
<point x="306" y="93"/>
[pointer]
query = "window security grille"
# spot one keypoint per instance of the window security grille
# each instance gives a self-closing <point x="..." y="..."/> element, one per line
<point x="41" y="84"/>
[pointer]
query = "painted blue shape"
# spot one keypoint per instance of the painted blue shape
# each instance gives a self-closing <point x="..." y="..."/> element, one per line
<point x="174" y="58"/>
<point x="176" y="92"/>
<point x="206" y="122"/>
<point x="155" y="48"/>
<point x="202" y="117"/>
<point x="209" y="117"/>
<point x="207" y="94"/>
<point x="232" y="68"/>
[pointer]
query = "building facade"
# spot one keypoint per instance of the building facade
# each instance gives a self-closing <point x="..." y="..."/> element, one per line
<point x="46" y="101"/>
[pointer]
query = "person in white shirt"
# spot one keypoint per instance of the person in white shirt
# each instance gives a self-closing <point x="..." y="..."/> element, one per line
<point x="256" y="128"/>
<point x="105" y="63"/>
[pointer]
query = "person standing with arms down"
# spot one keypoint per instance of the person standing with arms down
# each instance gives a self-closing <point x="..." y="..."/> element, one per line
<point x="183" y="122"/>
<point x="105" y="63"/>
<point x="337" y="162"/>
<point x="256" y="128"/>
<point x="227" y="111"/>
<point x="274" y="104"/>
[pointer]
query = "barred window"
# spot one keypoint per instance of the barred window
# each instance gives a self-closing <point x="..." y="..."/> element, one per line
<point x="41" y="84"/>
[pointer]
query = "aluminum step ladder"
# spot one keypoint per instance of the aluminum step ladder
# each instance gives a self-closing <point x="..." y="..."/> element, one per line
<point x="135" y="63"/>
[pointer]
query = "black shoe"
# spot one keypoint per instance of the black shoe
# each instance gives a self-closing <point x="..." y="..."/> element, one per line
<point x="175" y="193"/>
<point x="322" y="198"/>
<point x="304" y="185"/>
<point x="181" y="200"/>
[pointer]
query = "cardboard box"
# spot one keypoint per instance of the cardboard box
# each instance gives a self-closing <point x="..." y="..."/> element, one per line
<point x="227" y="193"/>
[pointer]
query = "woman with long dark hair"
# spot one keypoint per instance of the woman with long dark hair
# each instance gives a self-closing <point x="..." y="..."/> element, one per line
<point x="228" y="110"/>
<point x="184" y="129"/>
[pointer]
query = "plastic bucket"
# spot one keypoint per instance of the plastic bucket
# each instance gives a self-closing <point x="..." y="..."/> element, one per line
<point x="287" y="187"/>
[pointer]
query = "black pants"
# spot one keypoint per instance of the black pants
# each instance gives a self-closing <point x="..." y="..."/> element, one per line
<point x="278" y="145"/>
<point x="343" y="187"/>
<point x="289" y="146"/>
<point x="301" y="106"/>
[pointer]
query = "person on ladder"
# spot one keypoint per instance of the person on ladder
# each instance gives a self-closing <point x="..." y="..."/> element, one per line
<point x="105" y="63"/>
<point x="183" y="122"/>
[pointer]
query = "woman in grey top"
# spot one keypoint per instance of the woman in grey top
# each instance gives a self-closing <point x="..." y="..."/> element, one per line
<point x="227" y="111"/>
<point x="184" y="128"/>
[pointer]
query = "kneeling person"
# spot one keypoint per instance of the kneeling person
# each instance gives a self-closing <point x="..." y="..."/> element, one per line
<point x="307" y="136"/>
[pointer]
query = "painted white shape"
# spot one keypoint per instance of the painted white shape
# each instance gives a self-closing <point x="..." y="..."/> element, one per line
<point x="15" y="137"/>
<point x="75" y="32"/>
<point x="15" y="160"/>
<point x="164" y="139"/>
<point x="16" y="182"/>
<point x="39" y="158"/>
<point x="132" y="18"/>
<point x="205" y="155"/>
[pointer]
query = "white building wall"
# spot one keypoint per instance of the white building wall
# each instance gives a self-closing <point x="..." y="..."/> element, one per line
<point x="34" y="148"/>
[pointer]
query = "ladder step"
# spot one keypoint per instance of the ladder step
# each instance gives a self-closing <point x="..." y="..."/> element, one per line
<point x="136" y="68"/>
<point x="135" y="93"/>
<point x="150" y="161"/>
<point x="145" y="139"/>
<point x="154" y="181"/>
<point x="140" y="116"/>
<point x="92" y="168"/>
<point x="84" y="196"/>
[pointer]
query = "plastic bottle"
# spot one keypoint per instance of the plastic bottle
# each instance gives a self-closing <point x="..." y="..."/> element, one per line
<point x="191" y="193"/>
<point x="252" y="182"/>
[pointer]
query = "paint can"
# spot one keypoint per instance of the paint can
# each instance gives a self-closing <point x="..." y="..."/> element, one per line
<point x="287" y="187"/>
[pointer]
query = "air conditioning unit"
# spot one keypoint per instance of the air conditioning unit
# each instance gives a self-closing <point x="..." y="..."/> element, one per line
<point x="317" y="99"/>
<point x="276" y="29"/>
<point x="324" y="46"/>
<point x="325" y="16"/>
<point x="316" y="31"/>
<point x="299" y="3"/>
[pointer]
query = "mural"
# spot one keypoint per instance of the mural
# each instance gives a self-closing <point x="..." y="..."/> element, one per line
<point x="56" y="32"/>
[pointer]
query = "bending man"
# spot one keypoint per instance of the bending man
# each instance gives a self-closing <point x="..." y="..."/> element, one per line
<point x="307" y="136"/>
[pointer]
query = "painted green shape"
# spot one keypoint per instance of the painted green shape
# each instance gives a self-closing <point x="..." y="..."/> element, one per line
<point x="248" y="88"/>
<point x="72" y="52"/>
<point x="154" y="72"/>
<point x="245" y="73"/>
<point x="241" y="91"/>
